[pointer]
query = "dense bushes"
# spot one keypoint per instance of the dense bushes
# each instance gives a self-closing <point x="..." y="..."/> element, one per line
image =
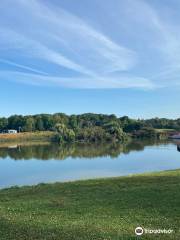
<point x="104" y="133"/>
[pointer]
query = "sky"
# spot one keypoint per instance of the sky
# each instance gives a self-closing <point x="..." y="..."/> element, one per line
<point x="117" y="57"/>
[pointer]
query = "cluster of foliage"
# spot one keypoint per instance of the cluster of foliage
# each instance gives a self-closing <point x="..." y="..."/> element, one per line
<point x="130" y="125"/>
<point x="87" y="127"/>
<point x="83" y="128"/>
<point x="108" y="132"/>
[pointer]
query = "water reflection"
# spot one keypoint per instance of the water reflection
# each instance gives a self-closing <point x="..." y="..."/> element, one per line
<point x="83" y="161"/>
<point x="59" y="152"/>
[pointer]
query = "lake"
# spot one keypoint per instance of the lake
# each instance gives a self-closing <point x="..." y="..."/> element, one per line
<point x="43" y="163"/>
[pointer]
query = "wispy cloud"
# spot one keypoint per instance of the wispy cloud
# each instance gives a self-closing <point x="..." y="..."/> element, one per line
<point x="81" y="82"/>
<point x="56" y="36"/>
<point x="164" y="40"/>
<point x="39" y="31"/>
<point x="22" y="66"/>
<point x="83" y="39"/>
<point x="33" y="49"/>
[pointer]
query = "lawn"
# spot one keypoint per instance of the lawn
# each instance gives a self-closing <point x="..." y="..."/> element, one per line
<point x="95" y="209"/>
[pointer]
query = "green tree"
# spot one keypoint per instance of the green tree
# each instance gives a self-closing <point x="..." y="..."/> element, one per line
<point x="64" y="134"/>
<point x="3" y="123"/>
<point x="29" y="125"/>
<point x="39" y="124"/>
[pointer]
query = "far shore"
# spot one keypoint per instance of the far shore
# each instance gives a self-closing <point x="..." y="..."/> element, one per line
<point x="38" y="136"/>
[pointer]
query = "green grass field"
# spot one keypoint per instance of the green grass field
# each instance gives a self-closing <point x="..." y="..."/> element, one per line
<point x="94" y="209"/>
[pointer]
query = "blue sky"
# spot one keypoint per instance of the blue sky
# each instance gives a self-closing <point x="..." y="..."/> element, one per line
<point x="118" y="56"/>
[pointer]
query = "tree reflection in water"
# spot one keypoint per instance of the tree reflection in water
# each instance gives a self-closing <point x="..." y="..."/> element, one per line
<point x="80" y="150"/>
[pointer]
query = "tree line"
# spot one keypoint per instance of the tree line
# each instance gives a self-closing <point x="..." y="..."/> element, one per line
<point x="87" y="127"/>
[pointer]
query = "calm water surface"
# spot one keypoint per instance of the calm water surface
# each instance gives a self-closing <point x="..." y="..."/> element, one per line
<point x="42" y="163"/>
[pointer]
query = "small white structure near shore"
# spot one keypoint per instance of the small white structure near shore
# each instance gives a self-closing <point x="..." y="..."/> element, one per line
<point x="11" y="131"/>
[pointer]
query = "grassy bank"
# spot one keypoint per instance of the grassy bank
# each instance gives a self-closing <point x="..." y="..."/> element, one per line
<point x="94" y="209"/>
<point x="26" y="136"/>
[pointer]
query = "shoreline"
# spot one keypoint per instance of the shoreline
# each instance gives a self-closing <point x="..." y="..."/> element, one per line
<point x="27" y="136"/>
<point x="98" y="209"/>
<point x="134" y="175"/>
